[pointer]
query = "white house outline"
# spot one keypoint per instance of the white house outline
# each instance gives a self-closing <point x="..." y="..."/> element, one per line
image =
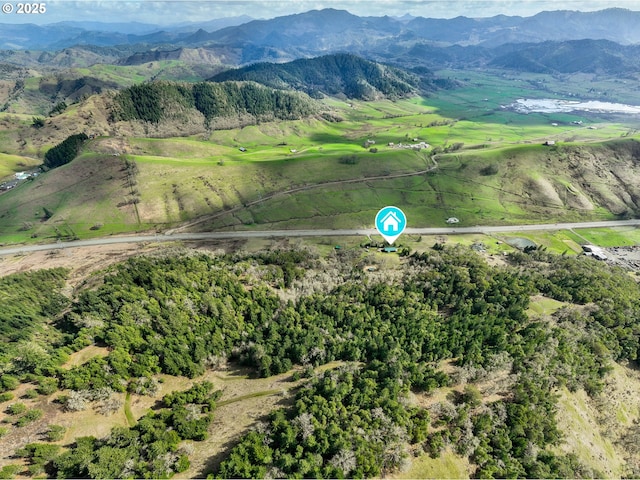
<point x="390" y="222"/>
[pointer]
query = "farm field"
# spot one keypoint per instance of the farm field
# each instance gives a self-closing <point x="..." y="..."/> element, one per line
<point x="484" y="164"/>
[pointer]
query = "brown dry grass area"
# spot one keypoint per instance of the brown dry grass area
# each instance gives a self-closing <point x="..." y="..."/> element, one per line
<point x="493" y="387"/>
<point x="87" y="422"/>
<point x="245" y="401"/>
<point x="82" y="261"/>
<point x="6" y="87"/>
<point x="78" y="424"/>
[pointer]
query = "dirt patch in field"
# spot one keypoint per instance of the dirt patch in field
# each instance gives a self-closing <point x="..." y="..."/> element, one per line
<point x="82" y="261"/>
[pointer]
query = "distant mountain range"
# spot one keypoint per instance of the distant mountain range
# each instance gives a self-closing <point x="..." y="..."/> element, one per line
<point x="549" y="42"/>
<point x="320" y="31"/>
<point x="62" y="35"/>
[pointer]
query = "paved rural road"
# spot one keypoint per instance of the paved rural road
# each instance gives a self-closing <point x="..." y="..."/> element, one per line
<point x="309" y="233"/>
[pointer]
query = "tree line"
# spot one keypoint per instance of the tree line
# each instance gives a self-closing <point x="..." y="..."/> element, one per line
<point x="65" y="151"/>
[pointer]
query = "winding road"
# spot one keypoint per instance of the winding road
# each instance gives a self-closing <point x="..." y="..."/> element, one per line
<point x="309" y="233"/>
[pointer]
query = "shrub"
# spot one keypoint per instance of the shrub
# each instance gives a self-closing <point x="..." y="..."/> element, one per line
<point x="9" y="382"/>
<point x="349" y="159"/>
<point x="55" y="433"/>
<point x="5" y="397"/>
<point x="16" y="409"/>
<point x="29" y="417"/>
<point x="31" y="393"/>
<point x="47" y="386"/>
<point x="489" y="170"/>
<point x="10" y="471"/>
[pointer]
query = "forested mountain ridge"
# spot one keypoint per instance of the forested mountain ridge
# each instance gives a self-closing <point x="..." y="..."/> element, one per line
<point x="180" y="314"/>
<point x="333" y="75"/>
<point x="155" y="102"/>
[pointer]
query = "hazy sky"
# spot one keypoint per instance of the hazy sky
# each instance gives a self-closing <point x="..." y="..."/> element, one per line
<point x="176" y="11"/>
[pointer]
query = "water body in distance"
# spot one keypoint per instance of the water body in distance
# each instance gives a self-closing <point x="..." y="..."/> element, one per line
<point x="553" y="105"/>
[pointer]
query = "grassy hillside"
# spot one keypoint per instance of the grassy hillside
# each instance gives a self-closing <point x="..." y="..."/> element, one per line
<point x="40" y="92"/>
<point x="314" y="172"/>
<point x="485" y="164"/>
<point x="10" y="164"/>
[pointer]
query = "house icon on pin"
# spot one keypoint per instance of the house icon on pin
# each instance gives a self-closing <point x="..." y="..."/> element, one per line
<point x="391" y="222"/>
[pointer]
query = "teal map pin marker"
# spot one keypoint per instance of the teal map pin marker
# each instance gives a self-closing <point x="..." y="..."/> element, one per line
<point x="390" y="223"/>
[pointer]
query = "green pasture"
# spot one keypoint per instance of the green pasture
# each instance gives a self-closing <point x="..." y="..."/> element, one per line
<point x="81" y="197"/>
<point x="612" y="237"/>
<point x="447" y="465"/>
<point x="428" y="200"/>
<point x="456" y="118"/>
<point x="10" y="164"/>
<point x="497" y="87"/>
<point x="544" y="306"/>
<point x="286" y="176"/>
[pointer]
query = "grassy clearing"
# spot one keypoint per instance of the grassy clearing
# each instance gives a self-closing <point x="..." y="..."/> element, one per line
<point x="583" y="437"/>
<point x="557" y="242"/>
<point x="131" y="420"/>
<point x="600" y="430"/>
<point x="247" y="397"/>
<point x="87" y="422"/>
<point x="540" y="305"/>
<point x="83" y="356"/>
<point x="447" y="466"/>
<point x="612" y="237"/>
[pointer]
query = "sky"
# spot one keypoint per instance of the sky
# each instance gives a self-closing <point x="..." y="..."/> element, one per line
<point x="166" y="12"/>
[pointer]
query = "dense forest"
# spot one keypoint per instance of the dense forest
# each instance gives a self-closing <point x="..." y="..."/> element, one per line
<point x="181" y="314"/>
<point x="154" y="102"/>
<point x="65" y="151"/>
<point x="334" y="75"/>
